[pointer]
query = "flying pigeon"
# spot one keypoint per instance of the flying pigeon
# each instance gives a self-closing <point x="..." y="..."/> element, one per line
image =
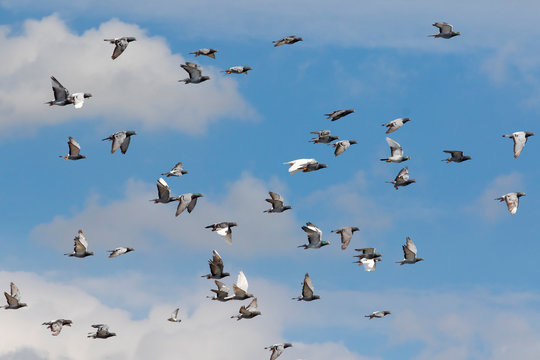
<point x="187" y="201"/>
<point x="102" y="332"/>
<point x="395" y="124"/>
<point x="164" y="193"/>
<point x="248" y="312"/>
<point x="512" y="201"/>
<point x="378" y="314"/>
<point x="277" y="203"/>
<point x="342" y="145"/>
<point x="304" y="165"/>
<point x="291" y="39"/>
<point x="80" y="247"/>
<point x="119" y="251"/>
<point x="396" y="152"/>
<point x="369" y="264"/>
<point x="174" y="316"/>
<point x="277" y="350"/>
<point x="520" y="139"/>
<point x="456" y="156"/>
<point x="223" y="229"/>
<point x="120" y="140"/>
<point x="409" y="253"/>
<point x="237" y="70"/>
<point x="346" y="235"/>
<point x="307" y="290"/>
<point x="56" y="326"/>
<point x="367" y="253"/>
<point x="62" y="97"/>
<point x="240" y="288"/>
<point x="323" y="137"/>
<point x="208" y="52"/>
<point x="216" y="267"/>
<point x="338" y="114"/>
<point x="402" y="178"/>
<point x="120" y="45"/>
<point x="177" y="170"/>
<point x="445" y="31"/>
<point x="222" y="292"/>
<point x="14" y="299"/>
<point x="74" y="150"/>
<point x="314" y="235"/>
<point x="195" y="74"/>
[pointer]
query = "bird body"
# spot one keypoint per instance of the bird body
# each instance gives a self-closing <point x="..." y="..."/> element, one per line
<point x="512" y="201"/>
<point x="338" y="114"/>
<point x="238" y="70"/>
<point x="287" y="40"/>
<point x="277" y="203"/>
<point x="177" y="170"/>
<point x="119" y="251"/>
<point x="520" y="139"/>
<point x="307" y="290"/>
<point x="74" y="150"/>
<point x="456" y="156"/>
<point x="120" y="140"/>
<point x="346" y="235"/>
<point x="216" y="267"/>
<point x="409" y="253"/>
<point x="195" y="73"/>
<point x="102" y="332"/>
<point x="121" y="44"/>
<point x="402" y="178"/>
<point x="62" y="97"/>
<point x="314" y="235"/>
<point x="222" y="292"/>
<point x="342" y="145"/>
<point x="378" y="314"/>
<point x="56" y="326"/>
<point x="187" y="201"/>
<point x="446" y="31"/>
<point x="395" y="124"/>
<point x="396" y="152"/>
<point x="80" y="249"/>
<point x="207" y="52"/>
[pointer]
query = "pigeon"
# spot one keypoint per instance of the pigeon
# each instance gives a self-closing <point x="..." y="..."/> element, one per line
<point x="456" y="156"/>
<point x="409" y="253"/>
<point x="208" y="52"/>
<point x="240" y="288"/>
<point x="304" y="165"/>
<point x="402" y="178"/>
<point x="237" y="70"/>
<point x="248" y="312"/>
<point x="323" y="137"/>
<point x="277" y="203"/>
<point x="174" y="316"/>
<point x="222" y="292"/>
<point x="102" y="332"/>
<point x="369" y="264"/>
<point x="395" y="124"/>
<point x="120" y="45"/>
<point x="80" y="247"/>
<point x="62" y="97"/>
<point x="346" y="235"/>
<point x="445" y="31"/>
<point x="187" y="201"/>
<point x="216" y="267"/>
<point x="291" y="39"/>
<point x="277" y="350"/>
<point x="14" y="299"/>
<point x="119" y="251"/>
<point x="520" y="139"/>
<point x="56" y="326"/>
<point x="307" y="290"/>
<point x="164" y="193"/>
<point x="223" y="229"/>
<point x="338" y="114"/>
<point x="314" y="235"/>
<point x="120" y="140"/>
<point x="177" y="170"/>
<point x="367" y="253"/>
<point x="342" y="145"/>
<point x="396" y="152"/>
<point x="512" y="201"/>
<point x="74" y="150"/>
<point x="378" y="314"/>
<point x="195" y="74"/>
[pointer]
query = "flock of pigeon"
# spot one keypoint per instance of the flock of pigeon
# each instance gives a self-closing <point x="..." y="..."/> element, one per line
<point x="367" y="257"/>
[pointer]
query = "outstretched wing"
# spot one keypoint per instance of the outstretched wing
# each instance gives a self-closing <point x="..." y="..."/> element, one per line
<point x="60" y="92"/>
<point x="194" y="70"/>
<point x="444" y="28"/>
<point x="307" y="288"/>
<point x="395" y="148"/>
<point x="74" y="147"/>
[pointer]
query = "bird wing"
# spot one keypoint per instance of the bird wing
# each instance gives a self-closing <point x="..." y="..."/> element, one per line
<point x="15" y="291"/>
<point x="299" y="165"/>
<point x="512" y="202"/>
<point x="366" y="251"/>
<point x="60" y="92"/>
<point x="125" y="144"/>
<point x="454" y="153"/>
<point x="164" y="192"/>
<point x="191" y="205"/>
<point x="369" y="264"/>
<point x="252" y="305"/>
<point x="519" y="142"/>
<point x="276" y="352"/>
<point x="178" y="168"/>
<point x="121" y="45"/>
<point x="444" y="28"/>
<point x="222" y="288"/>
<point x="12" y="301"/>
<point x="78" y="100"/>
<point x="174" y="314"/>
<point x="346" y="236"/>
<point x="403" y="175"/>
<point x="313" y="233"/>
<point x="307" y="288"/>
<point x="185" y="201"/>
<point x="340" y="146"/>
<point x="241" y="281"/>
<point x="411" y="246"/>
<point x="56" y="327"/>
<point x="216" y="265"/>
<point x="117" y="140"/>
<point x="82" y="239"/>
<point x="193" y="70"/>
<point x="74" y="147"/>
<point x="395" y="148"/>
<point x="103" y="330"/>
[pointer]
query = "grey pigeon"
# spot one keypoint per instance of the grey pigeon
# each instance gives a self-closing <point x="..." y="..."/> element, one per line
<point x="409" y="253"/>
<point x="395" y="124"/>
<point x="120" y="140"/>
<point x="367" y="253"/>
<point x="177" y="170"/>
<point x="396" y="152"/>
<point x="120" y="45"/>
<point x="342" y="145"/>
<point x="314" y="235"/>
<point x="291" y="39"/>
<point x="207" y="52"/>
<point x="346" y="235"/>
<point x="238" y="70"/>
<point x="62" y="97"/>
<point x="307" y="290"/>
<point x="74" y="150"/>
<point x="277" y="203"/>
<point x="174" y="316"/>
<point x="119" y="251"/>
<point x="56" y="326"/>
<point x="80" y="249"/>
<point x="223" y="229"/>
<point x="222" y="292"/>
<point x="304" y="165"/>
<point x="14" y="298"/>
<point x="187" y="201"/>
<point x="240" y="288"/>
<point x="378" y="314"/>
<point x="402" y="178"/>
<point x="164" y="193"/>
<point x="323" y="137"/>
<point x="512" y="201"/>
<point x="520" y="139"/>
<point x="446" y="31"/>
<point x="216" y="267"/>
<point x="195" y="74"/>
<point x="338" y="114"/>
<point x="102" y="332"/>
<point x="277" y="350"/>
<point x="248" y="312"/>
<point x="456" y="156"/>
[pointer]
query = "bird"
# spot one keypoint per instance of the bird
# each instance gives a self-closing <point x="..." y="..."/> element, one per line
<point x="237" y="70"/>
<point x="445" y="31"/>
<point x="240" y="288"/>
<point x="247" y="312"/>
<point x="304" y="165"/>
<point x="56" y="326"/>
<point x="396" y="152"/>
<point x="378" y="314"/>
<point x="277" y="203"/>
<point x="456" y="156"/>
<point x="223" y="229"/>
<point x="120" y="140"/>
<point x="187" y="201"/>
<point x="62" y="97"/>
<point x="323" y="137"/>
<point x="307" y="290"/>
<point x="338" y="114"/>
<point x="14" y="298"/>
<point x="369" y="264"/>
<point x="520" y="139"/>
<point x="222" y="292"/>
<point x="342" y="145"/>
<point x="291" y="39"/>
<point x="174" y="316"/>
<point x="314" y="235"/>
<point x="208" y="52"/>
<point x="80" y="247"/>
<point x="367" y="253"/>
<point x="277" y="350"/>
<point x="120" y="44"/>
<point x="402" y="178"/>
<point x="216" y="267"/>
<point x="409" y="253"/>
<point x="102" y="332"/>
<point x="195" y="73"/>
<point x="512" y="201"/>
<point x="346" y="235"/>
<point x="177" y="170"/>
<point x="395" y="124"/>
<point x="164" y="193"/>
<point x="119" y="251"/>
<point x="74" y="150"/>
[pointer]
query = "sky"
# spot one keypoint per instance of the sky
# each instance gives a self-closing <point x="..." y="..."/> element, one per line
<point x="475" y="296"/>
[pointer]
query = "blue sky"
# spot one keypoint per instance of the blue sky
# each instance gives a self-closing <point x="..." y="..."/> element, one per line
<point x="474" y="297"/>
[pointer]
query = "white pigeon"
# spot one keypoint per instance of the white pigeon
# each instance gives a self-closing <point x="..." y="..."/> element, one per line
<point x="304" y="165"/>
<point x="520" y="139"/>
<point x="396" y="152"/>
<point x="512" y="201"/>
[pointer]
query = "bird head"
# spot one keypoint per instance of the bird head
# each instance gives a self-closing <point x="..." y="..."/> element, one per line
<point x="111" y="334"/>
<point x="286" y="207"/>
<point x="419" y="259"/>
<point x="129" y="249"/>
<point x="83" y="156"/>
<point x="130" y="39"/>
<point x="352" y="142"/>
<point x="529" y="133"/>
<point x="204" y="78"/>
<point x="456" y="33"/>
<point x="316" y="297"/>
<point x="197" y="195"/>
<point x="87" y="95"/>
<point x="354" y="228"/>
<point x="322" y="166"/>
<point x="67" y="322"/>
<point x="90" y="253"/>
<point x="299" y="39"/>
<point x="467" y="157"/>
<point x="246" y="68"/>
<point x="130" y="132"/>
<point x="406" y="158"/>
<point x="286" y="345"/>
<point x="406" y="120"/>
<point x="324" y="243"/>
<point x="520" y="194"/>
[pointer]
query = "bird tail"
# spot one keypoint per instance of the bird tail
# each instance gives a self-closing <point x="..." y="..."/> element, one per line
<point x="384" y="159"/>
<point x="50" y="103"/>
<point x="184" y="80"/>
